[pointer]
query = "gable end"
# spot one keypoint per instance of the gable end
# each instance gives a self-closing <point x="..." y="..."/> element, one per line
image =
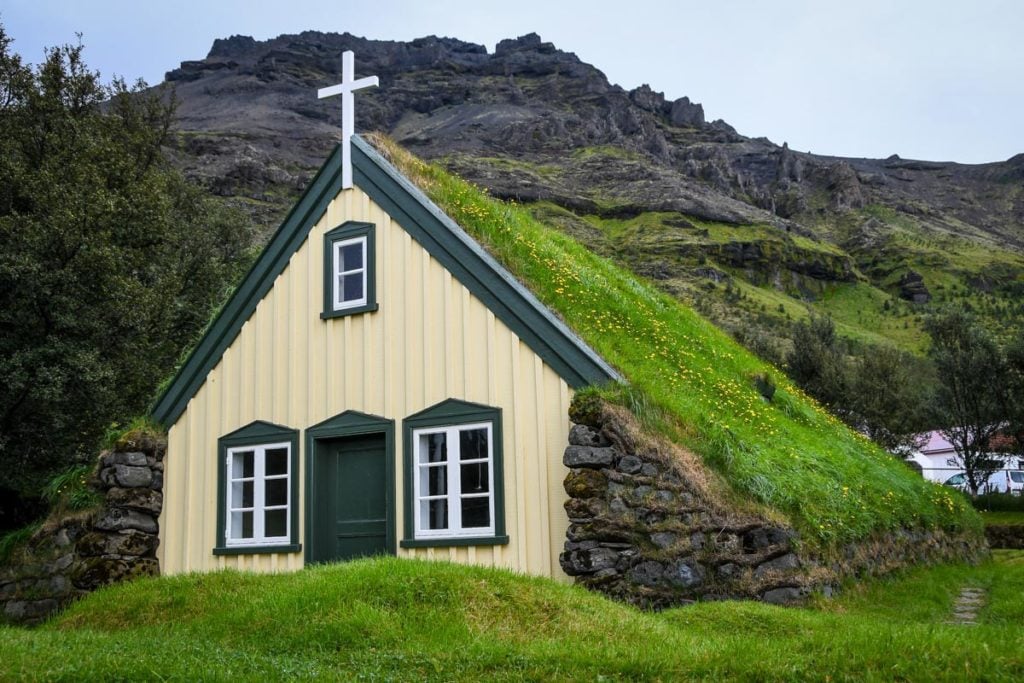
<point x="480" y="273"/>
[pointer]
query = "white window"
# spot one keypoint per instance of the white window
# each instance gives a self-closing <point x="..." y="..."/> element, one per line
<point x="454" y="481"/>
<point x="349" y="273"/>
<point x="258" y="495"/>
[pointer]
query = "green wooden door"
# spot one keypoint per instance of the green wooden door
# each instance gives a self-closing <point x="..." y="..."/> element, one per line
<point x="350" y="518"/>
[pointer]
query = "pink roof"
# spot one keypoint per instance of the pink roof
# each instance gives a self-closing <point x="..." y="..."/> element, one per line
<point x="936" y="444"/>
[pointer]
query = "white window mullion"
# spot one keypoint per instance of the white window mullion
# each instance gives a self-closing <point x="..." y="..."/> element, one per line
<point x="454" y="481"/>
<point x="366" y="254"/>
<point x="258" y="486"/>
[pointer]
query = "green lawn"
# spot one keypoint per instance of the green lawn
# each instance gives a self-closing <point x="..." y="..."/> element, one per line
<point x="390" y="619"/>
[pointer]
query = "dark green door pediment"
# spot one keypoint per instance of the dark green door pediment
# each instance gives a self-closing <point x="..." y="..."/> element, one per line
<point x="350" y="481"/>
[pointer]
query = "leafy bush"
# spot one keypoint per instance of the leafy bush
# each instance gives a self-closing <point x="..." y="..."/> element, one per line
<point x="999" y="502"/>
<point x="110" y="261"/>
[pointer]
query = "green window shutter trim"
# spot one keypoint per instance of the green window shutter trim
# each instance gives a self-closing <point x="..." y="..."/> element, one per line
<point x="255" y="434"/>
<point x="510" y="301"/>
<point x="346" y="231"/>
<point x="449" y="413"/>
<point x="350" y="423"/>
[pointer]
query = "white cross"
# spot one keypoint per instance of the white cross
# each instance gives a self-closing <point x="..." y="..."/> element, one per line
<point x="348" y="119"/>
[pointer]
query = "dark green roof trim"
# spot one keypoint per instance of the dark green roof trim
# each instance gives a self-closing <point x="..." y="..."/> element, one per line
<point x="477" y="270"/>
<point x="257" y="282"/>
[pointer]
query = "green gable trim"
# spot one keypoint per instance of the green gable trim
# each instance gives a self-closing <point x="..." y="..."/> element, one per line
<point x="478" y="271"/>
<point x="343" y="232"/>
<point x="257" y="282"/>
<point x="350" y="423"/>
<point x="459" y="542"/>
<point x="510" y="301"/>
<point x="449" y="413"/>
<point x="258" y="550"/>
<point x="256" y="434"/>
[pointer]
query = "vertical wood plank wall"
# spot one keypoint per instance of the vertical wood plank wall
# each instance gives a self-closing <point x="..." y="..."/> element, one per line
<point x="430" y="340"/>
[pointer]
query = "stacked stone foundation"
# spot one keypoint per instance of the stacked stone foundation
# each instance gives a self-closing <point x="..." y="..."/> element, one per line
<point x="74" y="554"/>
<point x="647" y="529"/>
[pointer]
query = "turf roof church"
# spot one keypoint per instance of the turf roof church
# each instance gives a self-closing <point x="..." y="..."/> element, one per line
<point x="377" y="384"/>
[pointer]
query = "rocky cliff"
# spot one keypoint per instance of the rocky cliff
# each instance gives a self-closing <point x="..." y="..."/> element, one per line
<point x="535" y="123"/>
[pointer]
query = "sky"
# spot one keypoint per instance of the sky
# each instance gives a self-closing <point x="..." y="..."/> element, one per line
<point x="940" y="80"/>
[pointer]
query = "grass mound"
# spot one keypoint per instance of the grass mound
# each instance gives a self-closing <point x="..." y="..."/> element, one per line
<point x="392" y="619"/>
<point x="700" y="385"/>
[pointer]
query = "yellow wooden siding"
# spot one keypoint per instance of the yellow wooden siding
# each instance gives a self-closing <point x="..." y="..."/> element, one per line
<point x="430" y="340"/>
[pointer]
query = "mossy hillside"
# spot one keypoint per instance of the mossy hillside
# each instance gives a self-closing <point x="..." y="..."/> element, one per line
<point x="787" y="453"/>
<point x="679" y="248"/>
<point x="956" y="263"/>
<point x="866" y="307"/>
<point x="392" y="619"/>
<point x="882" y="244"/>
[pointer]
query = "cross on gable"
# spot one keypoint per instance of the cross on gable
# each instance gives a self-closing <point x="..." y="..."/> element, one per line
<point x="348" y="119"/>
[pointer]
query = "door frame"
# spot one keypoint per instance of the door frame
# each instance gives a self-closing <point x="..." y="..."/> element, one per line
<point x="350" y="423"/>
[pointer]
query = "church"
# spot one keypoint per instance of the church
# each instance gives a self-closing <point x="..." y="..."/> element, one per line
<point x="377" y="384"/>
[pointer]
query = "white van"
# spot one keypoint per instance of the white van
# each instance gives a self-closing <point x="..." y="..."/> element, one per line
<point x="1000" y="481"/>
<point x="1014" y="482"/>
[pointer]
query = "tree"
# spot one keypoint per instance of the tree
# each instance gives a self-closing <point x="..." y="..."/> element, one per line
<point x="887" y="398"/>
<point x="971" y="401"/>
<point x="110" y="262"/>
<point x="817" y="362"/>
<point x="1015" y="395"/>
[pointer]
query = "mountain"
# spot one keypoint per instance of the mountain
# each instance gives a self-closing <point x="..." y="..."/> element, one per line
<point x="752" y="233"/>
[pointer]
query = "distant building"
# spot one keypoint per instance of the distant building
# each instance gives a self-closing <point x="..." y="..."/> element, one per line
<point x="938" y="462"/>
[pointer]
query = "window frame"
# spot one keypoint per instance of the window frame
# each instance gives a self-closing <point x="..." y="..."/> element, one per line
<point x="453" y="482"/>
<point x="259" y="506"/>
<point x="348" y="233"/>
<point x="452" y="416"/>
<point x="257" y="436"/>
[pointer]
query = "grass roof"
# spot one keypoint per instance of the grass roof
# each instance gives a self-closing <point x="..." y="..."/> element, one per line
<point x="697" y="385"/>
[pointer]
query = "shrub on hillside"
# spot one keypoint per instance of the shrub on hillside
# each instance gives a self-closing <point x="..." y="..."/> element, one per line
<point x="998" y="502"/>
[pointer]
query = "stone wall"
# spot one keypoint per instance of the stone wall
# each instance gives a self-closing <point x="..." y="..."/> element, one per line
<point x="650" y="526"/>
<point x="74" y="554"/>
<point x="1006" y="536"/>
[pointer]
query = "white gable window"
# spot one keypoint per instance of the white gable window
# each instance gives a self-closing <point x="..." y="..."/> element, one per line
<point x="454" y="482"/>
<point x="349" y="261"/>
<point x="257" y="490"/>
<point x="350" y="273"/>
<point x="258" y="494"/>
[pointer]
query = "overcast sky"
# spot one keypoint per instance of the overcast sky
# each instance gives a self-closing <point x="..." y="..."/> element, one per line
<point x="938" y="79"/>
